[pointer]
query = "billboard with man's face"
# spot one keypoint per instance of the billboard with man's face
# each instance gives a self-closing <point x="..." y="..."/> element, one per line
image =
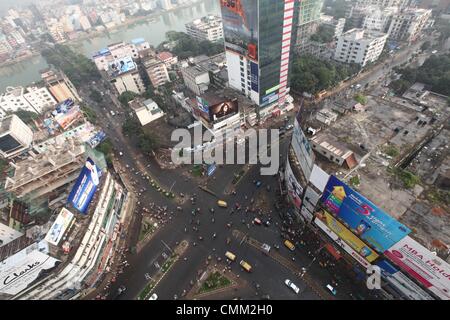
<point x="223" y="109"/>
<point x="365" y="219"/>
<point x="240" y="26"/>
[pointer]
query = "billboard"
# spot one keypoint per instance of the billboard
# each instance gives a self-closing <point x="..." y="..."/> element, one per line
<point x="401" y="282"/>
<point x="365" y="219"/>
<point x="240" y="26"/>
<point x="254" y="72"/>
<point x="59" y="227"/>
<point x="342" y="243"/>
<point x="422" y="265"/>
<point x="303" y="151"/>
<point x="97" y="139"/>
<point x="223" y="109"/>
<point x="122" y="65"/>
<point x="18" y="271"/>
<point x="65" y="119"/>
<point x="85" y="186"/>
<point x="295" y="190"/>
<point x="345" y="234"/>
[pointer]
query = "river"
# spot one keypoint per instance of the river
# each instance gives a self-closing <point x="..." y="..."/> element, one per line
<point x="27" y="71"/>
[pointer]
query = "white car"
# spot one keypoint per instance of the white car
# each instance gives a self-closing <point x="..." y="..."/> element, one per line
<point x="292" y="285"/>
<point x="153" y="297"/>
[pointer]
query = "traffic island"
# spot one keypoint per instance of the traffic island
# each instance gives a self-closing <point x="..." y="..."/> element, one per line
<point x="165" y="268"/>
<point x="217" y="282"/>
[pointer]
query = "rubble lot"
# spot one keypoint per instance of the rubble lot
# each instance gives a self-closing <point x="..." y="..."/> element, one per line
<point x="374" y="128"/>
<point x="428" y="223"/>
<point x="433" y="159"/>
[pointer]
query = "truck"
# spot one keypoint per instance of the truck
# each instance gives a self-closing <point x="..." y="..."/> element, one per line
<point x="247" y="267"/>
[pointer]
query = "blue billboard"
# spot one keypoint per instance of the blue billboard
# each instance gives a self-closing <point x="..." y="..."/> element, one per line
<point x="254" y="72"/>
<point x="84" y="189"/>
<point x="97" y="139"/>
<point x="363" y="218"/>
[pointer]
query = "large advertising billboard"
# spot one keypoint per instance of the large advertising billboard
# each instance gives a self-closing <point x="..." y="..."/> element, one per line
<point x="68" y="118"/>
<point x="59" y="227"/>
<point x="345" y="234"/>
<point x="303" y="150"/>
<point x="423" y="265"/>
<point x="295" y="190"/>
<point x="223" y="109"/>
<point x="18" y="271"/>
<point x="401" y="282"/>
<point x="364" y="218"/>
<point x="122" y="65"/>
<point x="240" y="26"/>
<point x="85" y="186"/>
<point x="341" y="243"/>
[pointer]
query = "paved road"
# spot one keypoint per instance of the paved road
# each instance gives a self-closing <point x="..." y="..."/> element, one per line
<point x="268" y="273"/>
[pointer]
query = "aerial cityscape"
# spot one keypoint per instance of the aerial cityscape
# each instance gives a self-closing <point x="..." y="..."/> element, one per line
<point x="225" y="150"/>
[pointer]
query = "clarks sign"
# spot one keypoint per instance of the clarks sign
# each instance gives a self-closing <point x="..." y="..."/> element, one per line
<point x="19" y="270"/>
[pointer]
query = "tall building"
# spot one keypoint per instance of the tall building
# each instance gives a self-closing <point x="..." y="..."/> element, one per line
<point x="156" y="70"/>
<point x="59" y="85"/>
<point x="408" y="24"/>
<point x="207" y="28"/>
<point x="309" y="15"/>
<point x="15" y="136"/>
<point x="124" y="76"/>
<point x="359" y="46"/>
<point x="258" y="41"/>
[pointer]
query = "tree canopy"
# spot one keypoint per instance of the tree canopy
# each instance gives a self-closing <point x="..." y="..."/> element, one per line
<point x="186" y="46"/>
<point x="324" y="34"/>
<point x="434" y="72"/>
<point x="312" y="75"/>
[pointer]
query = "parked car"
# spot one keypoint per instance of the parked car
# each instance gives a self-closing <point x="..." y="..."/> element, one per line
<point x="331" y="289"/>
<point x="121" y="290"/>
<point x="292" y="285"/>
<point x="153" y="297"/>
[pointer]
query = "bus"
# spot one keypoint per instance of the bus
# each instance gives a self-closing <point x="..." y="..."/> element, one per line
<point x="289" y="245"/>
<point x="246" y="266"/>
<point x="230" y="256"/>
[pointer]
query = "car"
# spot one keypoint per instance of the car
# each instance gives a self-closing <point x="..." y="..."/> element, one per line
<point x="258" y="184"/>
<point x="257" y="221"/>
<point x="153" y="297"/>
<point x="265" y="247"/>
<point x="112" y="113"/>
<point x="292" y="285"/>
<point x="289" y="127"/>
<point x="121" y="290"/>
<point x="332" y="290"/>
<point x="358" y="86"/>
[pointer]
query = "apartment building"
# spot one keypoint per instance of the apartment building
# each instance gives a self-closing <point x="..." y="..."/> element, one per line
<point x="156" y="71"/>
<point x="408" y="24"/>
<point x="207" y="28"/>
<point x="359" y="46"/>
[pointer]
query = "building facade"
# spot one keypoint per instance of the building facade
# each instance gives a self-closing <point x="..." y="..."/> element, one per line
<point x="196" y="79"/>
<point x="408" y="24"/>
<point x="156" y="71"/>
<point x="15" y="136"/>
<point x="259" y="37"/>
<point x="207" y="28"/>
<point x="308" y="18"/>
<point x="359" y="46"/>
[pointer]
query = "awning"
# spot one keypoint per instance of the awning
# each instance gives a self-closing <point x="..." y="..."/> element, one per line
<point x="335" y="253"/>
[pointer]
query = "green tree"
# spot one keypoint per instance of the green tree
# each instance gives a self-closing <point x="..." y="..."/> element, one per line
<point x="126" y="97"/>
<point x="146" y="143"/>
<point x="106" y="147"/>
<point x="96" y="96"/>
<point x="361" y="98"/>
<point x="131" y="128"/>
<point x="26" y="116"/>
<point x="89" y="113"/>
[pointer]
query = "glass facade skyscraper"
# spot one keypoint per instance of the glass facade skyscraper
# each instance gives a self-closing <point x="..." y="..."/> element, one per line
<point x="258" y="41"/>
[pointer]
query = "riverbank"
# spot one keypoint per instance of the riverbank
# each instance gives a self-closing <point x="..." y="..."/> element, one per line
<point x="14" y="61"/>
